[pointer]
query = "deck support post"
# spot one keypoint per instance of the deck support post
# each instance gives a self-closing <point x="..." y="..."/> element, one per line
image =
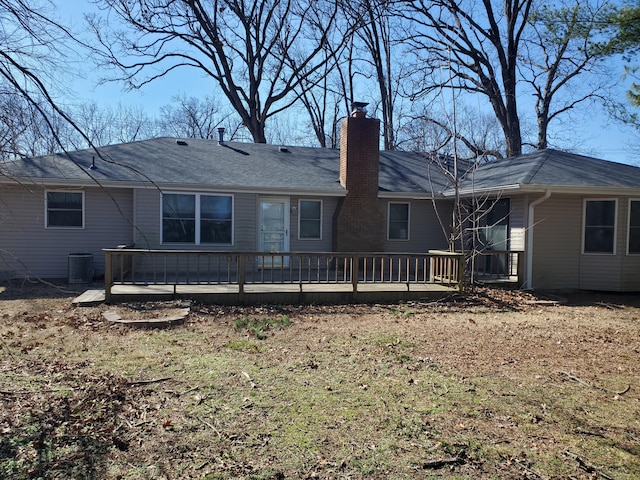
<point x="242" y="263"/>
<point x="355" y="274"/>
<point x="108" y="276"/>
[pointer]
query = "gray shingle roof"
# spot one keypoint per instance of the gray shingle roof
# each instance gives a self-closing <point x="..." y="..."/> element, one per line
<point x="198" y="163"/>
<point x="554" y="168"/>
<point x="205" y="163"/>
<point x="260" y="167"/>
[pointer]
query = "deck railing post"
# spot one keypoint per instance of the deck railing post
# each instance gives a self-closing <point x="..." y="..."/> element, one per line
<point x="460" y="271"/>
<point x="242" y="263"/>
<point x="355" y="273"/>
<point x="520" y="269"/>
<point x="108" y="276"/>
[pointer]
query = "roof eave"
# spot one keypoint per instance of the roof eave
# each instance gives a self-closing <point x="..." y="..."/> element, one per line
<point x="85" y="183"/>
<point x="410" y="195"/>
<point x="557" y="189"/>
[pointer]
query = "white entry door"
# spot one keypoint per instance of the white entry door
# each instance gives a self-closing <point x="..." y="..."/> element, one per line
<point x="274" y="229"/>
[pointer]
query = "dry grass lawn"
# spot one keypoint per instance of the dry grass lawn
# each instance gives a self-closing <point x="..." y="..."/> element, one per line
<point x="499" y="384"/>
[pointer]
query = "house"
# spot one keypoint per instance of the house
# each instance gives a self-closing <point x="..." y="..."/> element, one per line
<point x="574" y="220"/>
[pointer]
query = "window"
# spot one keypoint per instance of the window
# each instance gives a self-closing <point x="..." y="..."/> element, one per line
<point x="493" y="223"/>
<point x="310" y="220"/>
<point x="398" y="221"/>
<point x="65" y="209"/>
<point x="599" y="226"/>
<point x="215" y="219"/>
<point x="197" y="218"/>
<point x="634" y="227"/>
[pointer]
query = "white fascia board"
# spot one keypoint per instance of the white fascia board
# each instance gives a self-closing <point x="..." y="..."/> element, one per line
<point x="409" y="195"/>
<point x="583" y="190"/>
<point x="234" y="189"/>
<point x="85" y="183"/>
<point x="556" y="189"/>
<point x="470" y="192"/>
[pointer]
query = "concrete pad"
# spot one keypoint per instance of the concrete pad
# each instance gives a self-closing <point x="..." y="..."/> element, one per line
<point x="89" y="298"/>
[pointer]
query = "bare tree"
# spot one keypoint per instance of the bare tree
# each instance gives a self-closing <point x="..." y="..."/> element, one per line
<point x="479" y="50"/>
<point x="321" y="101"/>
<point x="558" y="51"/>
<point x="476" y="136"/>
<point x="33" y="47"/>
<point x="258" y="52"/>
<point x="17" y="124"/>
<point x="191" y="117"/>
<point x="107" y="125"/>
<point x="376" y="25"/>
<point x="502" y="50"/>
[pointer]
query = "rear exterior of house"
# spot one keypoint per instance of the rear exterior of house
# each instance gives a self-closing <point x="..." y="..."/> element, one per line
<point x="134" y="217"/>
<point x="568" y="241"/>
<point x="65" y="216"/>
<point x="34" y="245"/>
<point x="587" y="243"/>
<point x="565" y="221"/>
<point x="302" y="223"/>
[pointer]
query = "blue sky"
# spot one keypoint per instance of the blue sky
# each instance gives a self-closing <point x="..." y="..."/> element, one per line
<point x="590" y="129"/>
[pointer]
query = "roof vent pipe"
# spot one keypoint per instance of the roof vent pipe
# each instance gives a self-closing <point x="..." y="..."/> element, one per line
<point x="220" y="135"/>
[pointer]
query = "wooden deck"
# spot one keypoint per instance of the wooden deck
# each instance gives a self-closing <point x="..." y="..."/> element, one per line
<point x="259" y="277"/>
<point x="280" y="293"/>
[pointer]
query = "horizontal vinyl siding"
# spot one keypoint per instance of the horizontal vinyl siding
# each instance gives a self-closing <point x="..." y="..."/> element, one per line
<point x="600" y="272"/>
<point x="147" y="215"/>
<point x="31" y="250"/>
<point x="425" y="231"/>
<point x="557" y="243"/>
<point x="630" y="280"/>
<point x="246" y="222"/>
<point x="517" y="223"/>
<point x="558" y="261"/>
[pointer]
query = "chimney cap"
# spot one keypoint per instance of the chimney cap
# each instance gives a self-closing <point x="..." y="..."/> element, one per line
<point x="358" y="109"/>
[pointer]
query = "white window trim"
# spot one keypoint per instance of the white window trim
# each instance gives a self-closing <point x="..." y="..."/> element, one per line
<point x="629" y="225"/>
<point x="300" y="200"/>
<point x="615" y="224"/>
<point x="46" y="211"/>
<point x="198" y="219"/>
<point x="408" y="204"/>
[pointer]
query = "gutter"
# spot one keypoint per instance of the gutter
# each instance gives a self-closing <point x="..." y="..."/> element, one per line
<point x="529" y="246"/>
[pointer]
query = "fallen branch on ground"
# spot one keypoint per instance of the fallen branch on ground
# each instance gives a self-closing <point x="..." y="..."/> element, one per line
<point x="147" y="382"/>
<point x="582" y="431"/>
<point x="608" y="306"/>
<point x="586" y="466"/>
<point x="211" y="426"/>
<point x="253" y="385"/>
<point x="443" y="462"/>
<point x="597" y="387"/>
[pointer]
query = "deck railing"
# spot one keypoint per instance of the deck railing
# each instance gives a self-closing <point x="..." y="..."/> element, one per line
<point x="497" y="265"/>
<point x="139" y="267"/>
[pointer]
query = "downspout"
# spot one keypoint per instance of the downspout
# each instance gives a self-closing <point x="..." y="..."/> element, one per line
<point x="530" y="223"/>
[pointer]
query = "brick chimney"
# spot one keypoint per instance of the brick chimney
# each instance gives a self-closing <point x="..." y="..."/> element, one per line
<point x="359" y="222"/>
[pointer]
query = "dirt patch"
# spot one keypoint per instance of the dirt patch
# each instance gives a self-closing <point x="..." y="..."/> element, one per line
<point x="494" y="384"/>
